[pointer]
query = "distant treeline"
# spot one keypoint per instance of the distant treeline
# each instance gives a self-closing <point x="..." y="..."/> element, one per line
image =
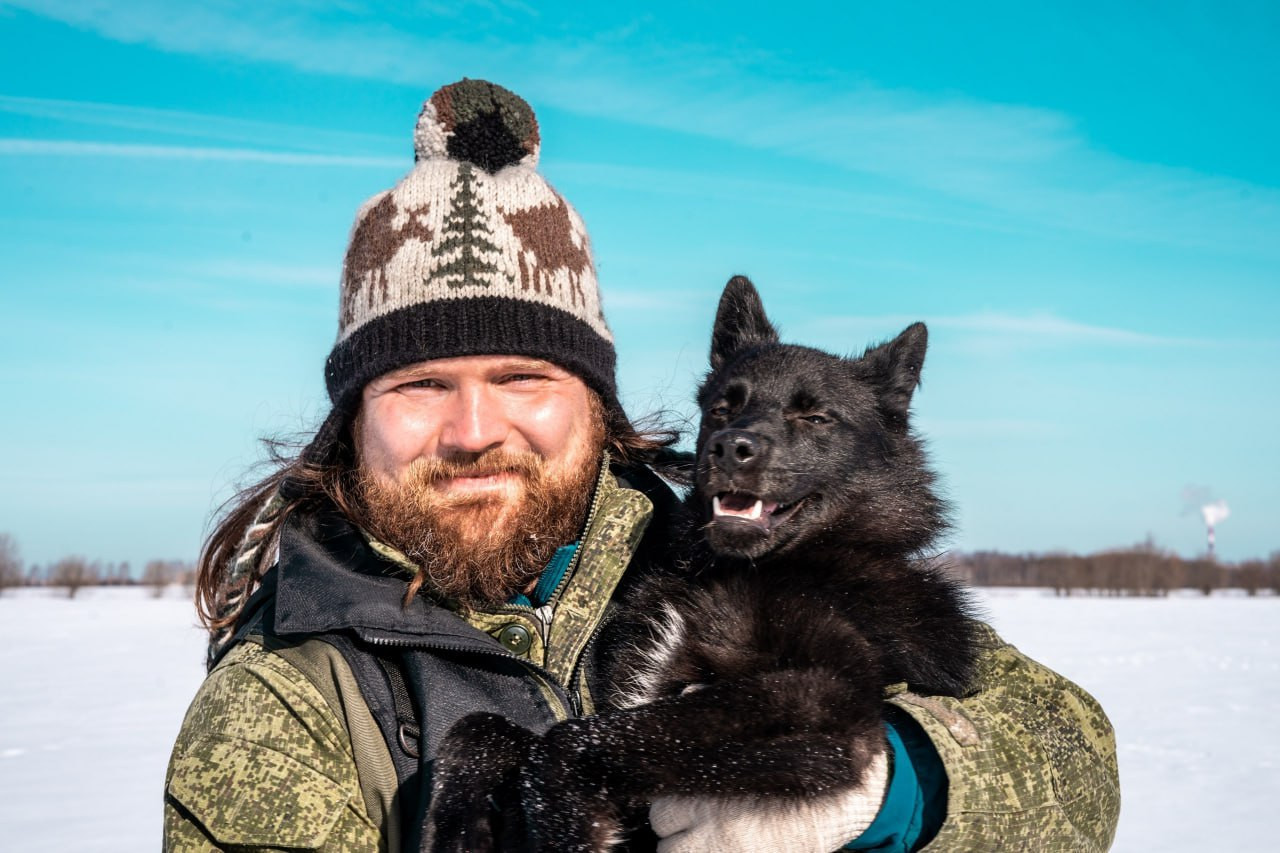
<point x="1141" y="570"/>
<point x="74" y="573"/>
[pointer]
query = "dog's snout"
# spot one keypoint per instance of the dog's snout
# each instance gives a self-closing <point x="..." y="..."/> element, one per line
<point x="737" y="450"/>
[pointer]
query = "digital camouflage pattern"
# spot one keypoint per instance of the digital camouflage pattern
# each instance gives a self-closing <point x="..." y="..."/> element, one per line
<point x="618" y="520"/>
<point x="278" y="750"/>
<point x="263" y="762"/>
<point x="1030" y="758"/>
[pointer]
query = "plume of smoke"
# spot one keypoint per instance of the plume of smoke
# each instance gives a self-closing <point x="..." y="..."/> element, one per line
<point x="1214" y="512"/>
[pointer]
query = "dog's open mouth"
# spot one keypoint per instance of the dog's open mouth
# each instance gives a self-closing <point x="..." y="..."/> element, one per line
<point x="744" y="507"/>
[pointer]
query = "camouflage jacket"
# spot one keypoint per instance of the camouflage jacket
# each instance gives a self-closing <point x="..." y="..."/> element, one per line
<point x="280" y="749"/>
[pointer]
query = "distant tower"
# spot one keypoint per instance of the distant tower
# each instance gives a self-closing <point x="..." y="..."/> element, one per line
<point x="1213" y="513"/>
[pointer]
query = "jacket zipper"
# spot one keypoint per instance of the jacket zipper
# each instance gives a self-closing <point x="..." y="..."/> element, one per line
<point x="559" y="699"/>
<point x="596" y="497"/>
<point x="543" y="614"/>
<point x="575" y="702"/>
<point x="579" y="672"/>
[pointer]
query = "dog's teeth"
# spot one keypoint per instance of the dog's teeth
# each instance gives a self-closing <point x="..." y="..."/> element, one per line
<point x="754" y="512"/>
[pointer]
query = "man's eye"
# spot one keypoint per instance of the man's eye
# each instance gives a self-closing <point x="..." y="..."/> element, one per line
<point x="422" y="383"/>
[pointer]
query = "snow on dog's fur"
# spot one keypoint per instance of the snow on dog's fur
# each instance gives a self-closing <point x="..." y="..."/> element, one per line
<point x="755" y="664"/>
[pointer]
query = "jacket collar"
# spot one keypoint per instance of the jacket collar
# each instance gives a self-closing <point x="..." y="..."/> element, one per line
<point x="331" y="580"/>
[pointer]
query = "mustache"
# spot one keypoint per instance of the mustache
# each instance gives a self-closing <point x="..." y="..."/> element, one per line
<point x="430" y="470"/>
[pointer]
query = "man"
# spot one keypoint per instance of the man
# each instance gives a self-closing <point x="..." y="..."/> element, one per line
<point x="451" y="538"/>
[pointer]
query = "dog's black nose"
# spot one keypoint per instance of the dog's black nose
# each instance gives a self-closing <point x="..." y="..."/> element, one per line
<point x="733" y="450"/>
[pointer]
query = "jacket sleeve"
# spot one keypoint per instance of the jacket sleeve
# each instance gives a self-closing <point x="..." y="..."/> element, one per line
<point x="262" y="763"/>
<point x="1030" y="758"/>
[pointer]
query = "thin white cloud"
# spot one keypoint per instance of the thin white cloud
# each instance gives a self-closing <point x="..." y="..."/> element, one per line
<point x="750" y="190"/>
<point x="1039" y="328"/>
<point x="1046" y="326"/>
<point x="632" y="299"/>
<point x="17" y="147"/>
<point x="184" y="123"/>
<point x="497" y="9"/>
<point x="1012" y="161"/>
<point x="285" y="275"/>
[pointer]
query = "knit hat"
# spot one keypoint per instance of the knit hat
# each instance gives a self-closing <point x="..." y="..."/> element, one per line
<point x="471" y="253"/>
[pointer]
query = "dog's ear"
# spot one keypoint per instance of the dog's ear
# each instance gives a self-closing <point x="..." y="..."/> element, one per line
<point x="894" y="369"/>
<point x="740" y="322"/>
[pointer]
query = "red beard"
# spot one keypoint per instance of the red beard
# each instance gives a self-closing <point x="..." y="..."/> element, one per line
<point x="483" y="548"/>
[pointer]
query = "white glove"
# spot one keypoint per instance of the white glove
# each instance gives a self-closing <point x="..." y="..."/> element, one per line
<point x="769" y="825"/>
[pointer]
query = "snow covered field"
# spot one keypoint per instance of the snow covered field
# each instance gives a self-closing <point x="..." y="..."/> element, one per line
<point x="92" y="691"/>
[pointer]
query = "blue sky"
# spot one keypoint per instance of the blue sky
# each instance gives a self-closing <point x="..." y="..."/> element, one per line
<point x="1082" y="200"/>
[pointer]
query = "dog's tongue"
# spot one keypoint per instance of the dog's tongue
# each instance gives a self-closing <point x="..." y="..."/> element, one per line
<point x="742" y="505"/>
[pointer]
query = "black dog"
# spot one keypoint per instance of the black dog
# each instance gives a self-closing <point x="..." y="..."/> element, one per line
<point x="756" y="666"/>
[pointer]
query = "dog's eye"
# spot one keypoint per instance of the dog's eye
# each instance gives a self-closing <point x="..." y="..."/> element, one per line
<point x="815" y="419"/>
<point x="718" y="411"/>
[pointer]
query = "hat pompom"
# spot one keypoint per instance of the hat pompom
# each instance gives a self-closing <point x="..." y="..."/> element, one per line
<point x="480" y="123"/>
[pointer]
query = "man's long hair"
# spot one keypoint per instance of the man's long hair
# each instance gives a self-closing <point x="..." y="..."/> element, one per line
<point x="324" y="474"/>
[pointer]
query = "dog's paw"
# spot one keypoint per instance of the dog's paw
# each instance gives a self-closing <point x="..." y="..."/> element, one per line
<point x="474" y="801"/>
<point x="568" y="795"/>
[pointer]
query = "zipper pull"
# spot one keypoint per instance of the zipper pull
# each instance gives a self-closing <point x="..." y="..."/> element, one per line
<point x="543" y="615"/>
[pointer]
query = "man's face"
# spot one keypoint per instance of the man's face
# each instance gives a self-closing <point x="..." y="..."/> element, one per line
<point x="478" y="467"/>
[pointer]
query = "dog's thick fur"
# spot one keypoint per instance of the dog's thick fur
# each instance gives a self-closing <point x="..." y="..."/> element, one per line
<point x="756" y="666"/>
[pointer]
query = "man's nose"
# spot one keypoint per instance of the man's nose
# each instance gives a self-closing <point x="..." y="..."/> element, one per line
<point x="476" y="421"/>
